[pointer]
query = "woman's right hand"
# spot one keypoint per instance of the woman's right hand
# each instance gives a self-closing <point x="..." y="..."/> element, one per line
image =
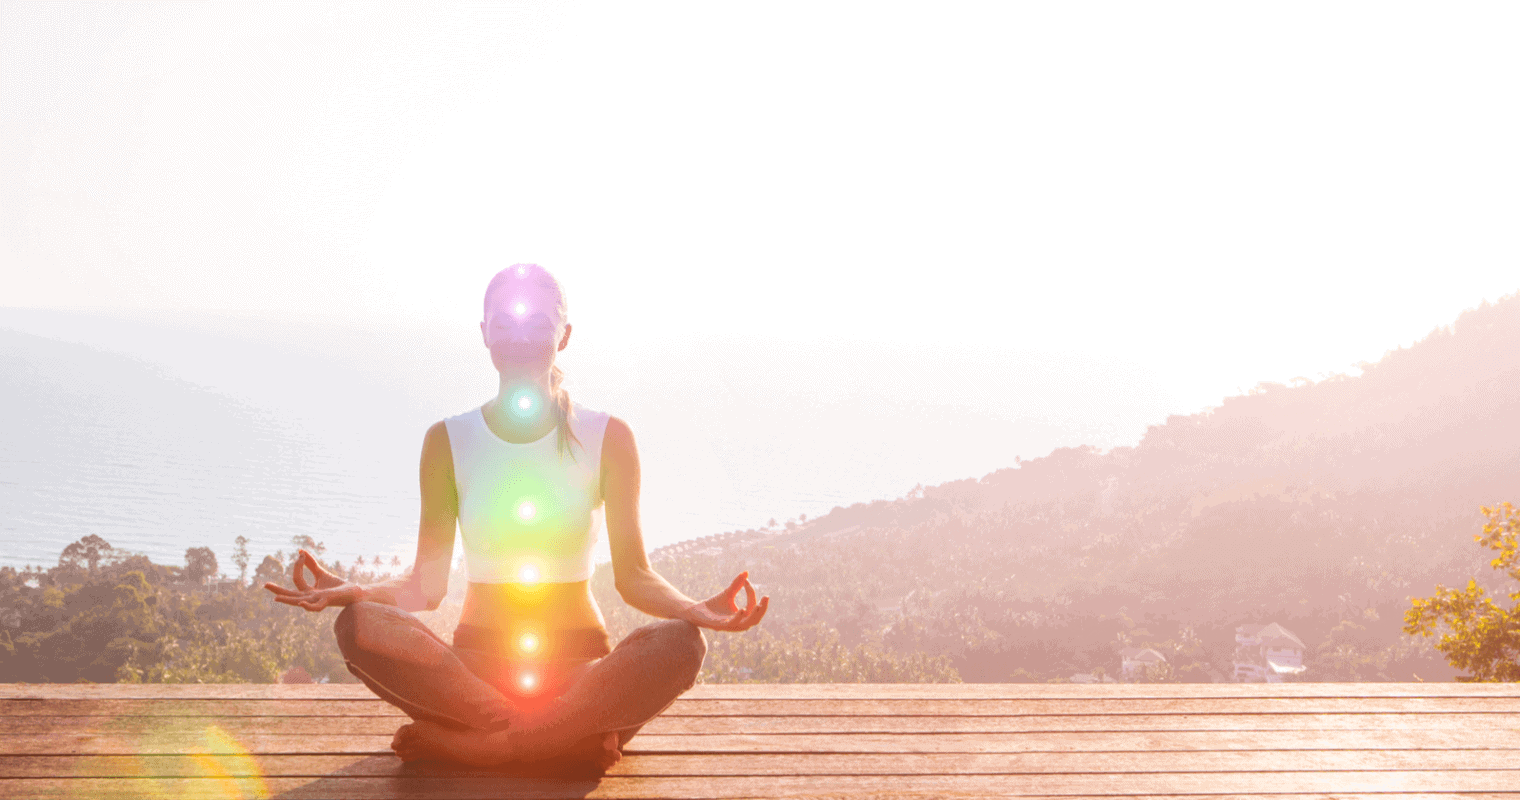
<point x="326" y="589"/>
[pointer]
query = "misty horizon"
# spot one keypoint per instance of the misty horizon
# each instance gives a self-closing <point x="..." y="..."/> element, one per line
<point x="341" y="390"/>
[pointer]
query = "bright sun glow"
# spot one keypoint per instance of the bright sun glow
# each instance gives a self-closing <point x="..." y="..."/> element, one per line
<point x="528" y="643"/>
<point x="528" y="574"/>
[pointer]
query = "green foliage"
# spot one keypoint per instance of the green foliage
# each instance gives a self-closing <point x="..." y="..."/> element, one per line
<point x="1484" y="638"/>
<point x="200" y="564"/>
<point x="104" y="616"/>
<point x="1161" y="672"/>
<point x="87" y="552"/>
<point x="270" y="569"/>
<point x="796" y="643"/>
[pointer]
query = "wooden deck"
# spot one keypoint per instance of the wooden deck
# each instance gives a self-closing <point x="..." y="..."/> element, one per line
<point x="770" y="740"/>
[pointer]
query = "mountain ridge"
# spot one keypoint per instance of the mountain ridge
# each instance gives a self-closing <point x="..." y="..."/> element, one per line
<point x="1323" y="506"/>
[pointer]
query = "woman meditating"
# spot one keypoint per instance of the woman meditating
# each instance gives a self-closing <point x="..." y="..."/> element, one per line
<point x="530" y="675"/>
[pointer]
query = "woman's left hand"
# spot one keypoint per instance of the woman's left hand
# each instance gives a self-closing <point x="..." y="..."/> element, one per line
<point x="721" y="612"/>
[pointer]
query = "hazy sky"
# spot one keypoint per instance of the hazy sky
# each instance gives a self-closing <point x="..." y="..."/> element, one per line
<point x="1123" y="209"/>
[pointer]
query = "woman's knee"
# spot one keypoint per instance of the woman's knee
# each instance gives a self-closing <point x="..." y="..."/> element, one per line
<point x="686" y="640"/>
<point x="350" y="620"/>
<point x="347" y="628"/>
<point x="378" y="629"/>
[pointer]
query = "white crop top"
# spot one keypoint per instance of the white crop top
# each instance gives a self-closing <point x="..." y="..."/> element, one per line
<point x="528" y="514"/>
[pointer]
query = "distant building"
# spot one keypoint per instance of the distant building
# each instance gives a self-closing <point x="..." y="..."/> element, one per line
<point x="1135" y="660"/>
<point x="1267" y="654"/>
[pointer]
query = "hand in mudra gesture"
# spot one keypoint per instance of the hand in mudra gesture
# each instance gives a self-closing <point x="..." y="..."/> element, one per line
<point x="325" y="589"/>
<point x="720" y="612"/>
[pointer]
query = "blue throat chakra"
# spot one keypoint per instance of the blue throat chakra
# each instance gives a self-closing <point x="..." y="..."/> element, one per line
<point x="524" y="404"/>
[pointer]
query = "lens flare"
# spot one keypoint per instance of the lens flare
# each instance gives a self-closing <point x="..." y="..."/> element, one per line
<point x="221" y="764"/>
<point x="528" y="643"/>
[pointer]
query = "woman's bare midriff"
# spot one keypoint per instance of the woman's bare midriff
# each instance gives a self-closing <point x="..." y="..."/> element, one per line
<point x="551" y="606"/>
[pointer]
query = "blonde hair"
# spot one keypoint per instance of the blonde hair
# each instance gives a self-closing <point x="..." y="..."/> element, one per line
<point x="558" y="395"/>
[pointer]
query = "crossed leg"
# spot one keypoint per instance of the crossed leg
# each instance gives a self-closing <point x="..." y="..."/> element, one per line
<point x="461" y="717"/>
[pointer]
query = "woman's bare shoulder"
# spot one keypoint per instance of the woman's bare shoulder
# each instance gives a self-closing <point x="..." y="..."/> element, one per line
<point x="618" y="436"/>
<point x="435" y="444"/>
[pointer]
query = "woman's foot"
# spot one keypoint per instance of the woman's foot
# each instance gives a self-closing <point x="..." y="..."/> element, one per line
<point x="429" y="741"/>
<point x="425" y="740"/>
<point x="599" y="750"/>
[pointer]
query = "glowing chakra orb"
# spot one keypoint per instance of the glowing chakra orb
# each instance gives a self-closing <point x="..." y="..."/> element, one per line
<point x="525" y="403"/>
<point x="520" y="309"/>
<point x="528" y="680"/>
<point x="528" y="574"/>
<point x="522" y="270"/>
<point x="526" y="510"/>
<point x="528" y="643"/>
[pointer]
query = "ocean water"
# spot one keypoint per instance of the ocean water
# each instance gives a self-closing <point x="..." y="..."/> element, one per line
<point x="98" y="443"/>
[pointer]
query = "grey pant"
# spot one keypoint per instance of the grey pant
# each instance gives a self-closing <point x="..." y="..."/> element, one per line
<point x="410" y="667"/>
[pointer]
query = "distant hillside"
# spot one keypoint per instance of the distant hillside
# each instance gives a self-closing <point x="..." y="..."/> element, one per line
<point x="1322" y="505"/>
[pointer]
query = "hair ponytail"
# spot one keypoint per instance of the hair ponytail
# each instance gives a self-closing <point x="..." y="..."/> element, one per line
<point x="559" y="398"/>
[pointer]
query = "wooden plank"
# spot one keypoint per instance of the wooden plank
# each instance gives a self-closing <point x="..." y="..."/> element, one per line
<point x="199" y="708"/>
<point x="681" y="788"/>
<point x="843" y="725"/>
<point x="803" y="707"/>
<point x="993" y="691"/>
<point x="792" y="691"/>
<point x="79" y="743"/>
<point x="1089" y="706"/>
<point x="779" y="764"/>
<point x="1495" y="723"/>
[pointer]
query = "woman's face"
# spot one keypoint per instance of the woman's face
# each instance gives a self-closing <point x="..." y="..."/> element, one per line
<point x="523" y="331"/>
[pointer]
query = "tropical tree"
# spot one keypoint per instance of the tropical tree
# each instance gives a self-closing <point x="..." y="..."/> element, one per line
<point x="240" y="557"/>
<point x="89" y="551"/>
<point x="270" y="569"/>
<point x="200" y="564"/>
<point x="1484" y="638"/>
<point x="302" y="540"/>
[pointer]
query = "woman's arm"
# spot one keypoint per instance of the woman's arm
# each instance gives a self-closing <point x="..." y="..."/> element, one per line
<point x="638" y="584"/>
<point x="428" y="582"/>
